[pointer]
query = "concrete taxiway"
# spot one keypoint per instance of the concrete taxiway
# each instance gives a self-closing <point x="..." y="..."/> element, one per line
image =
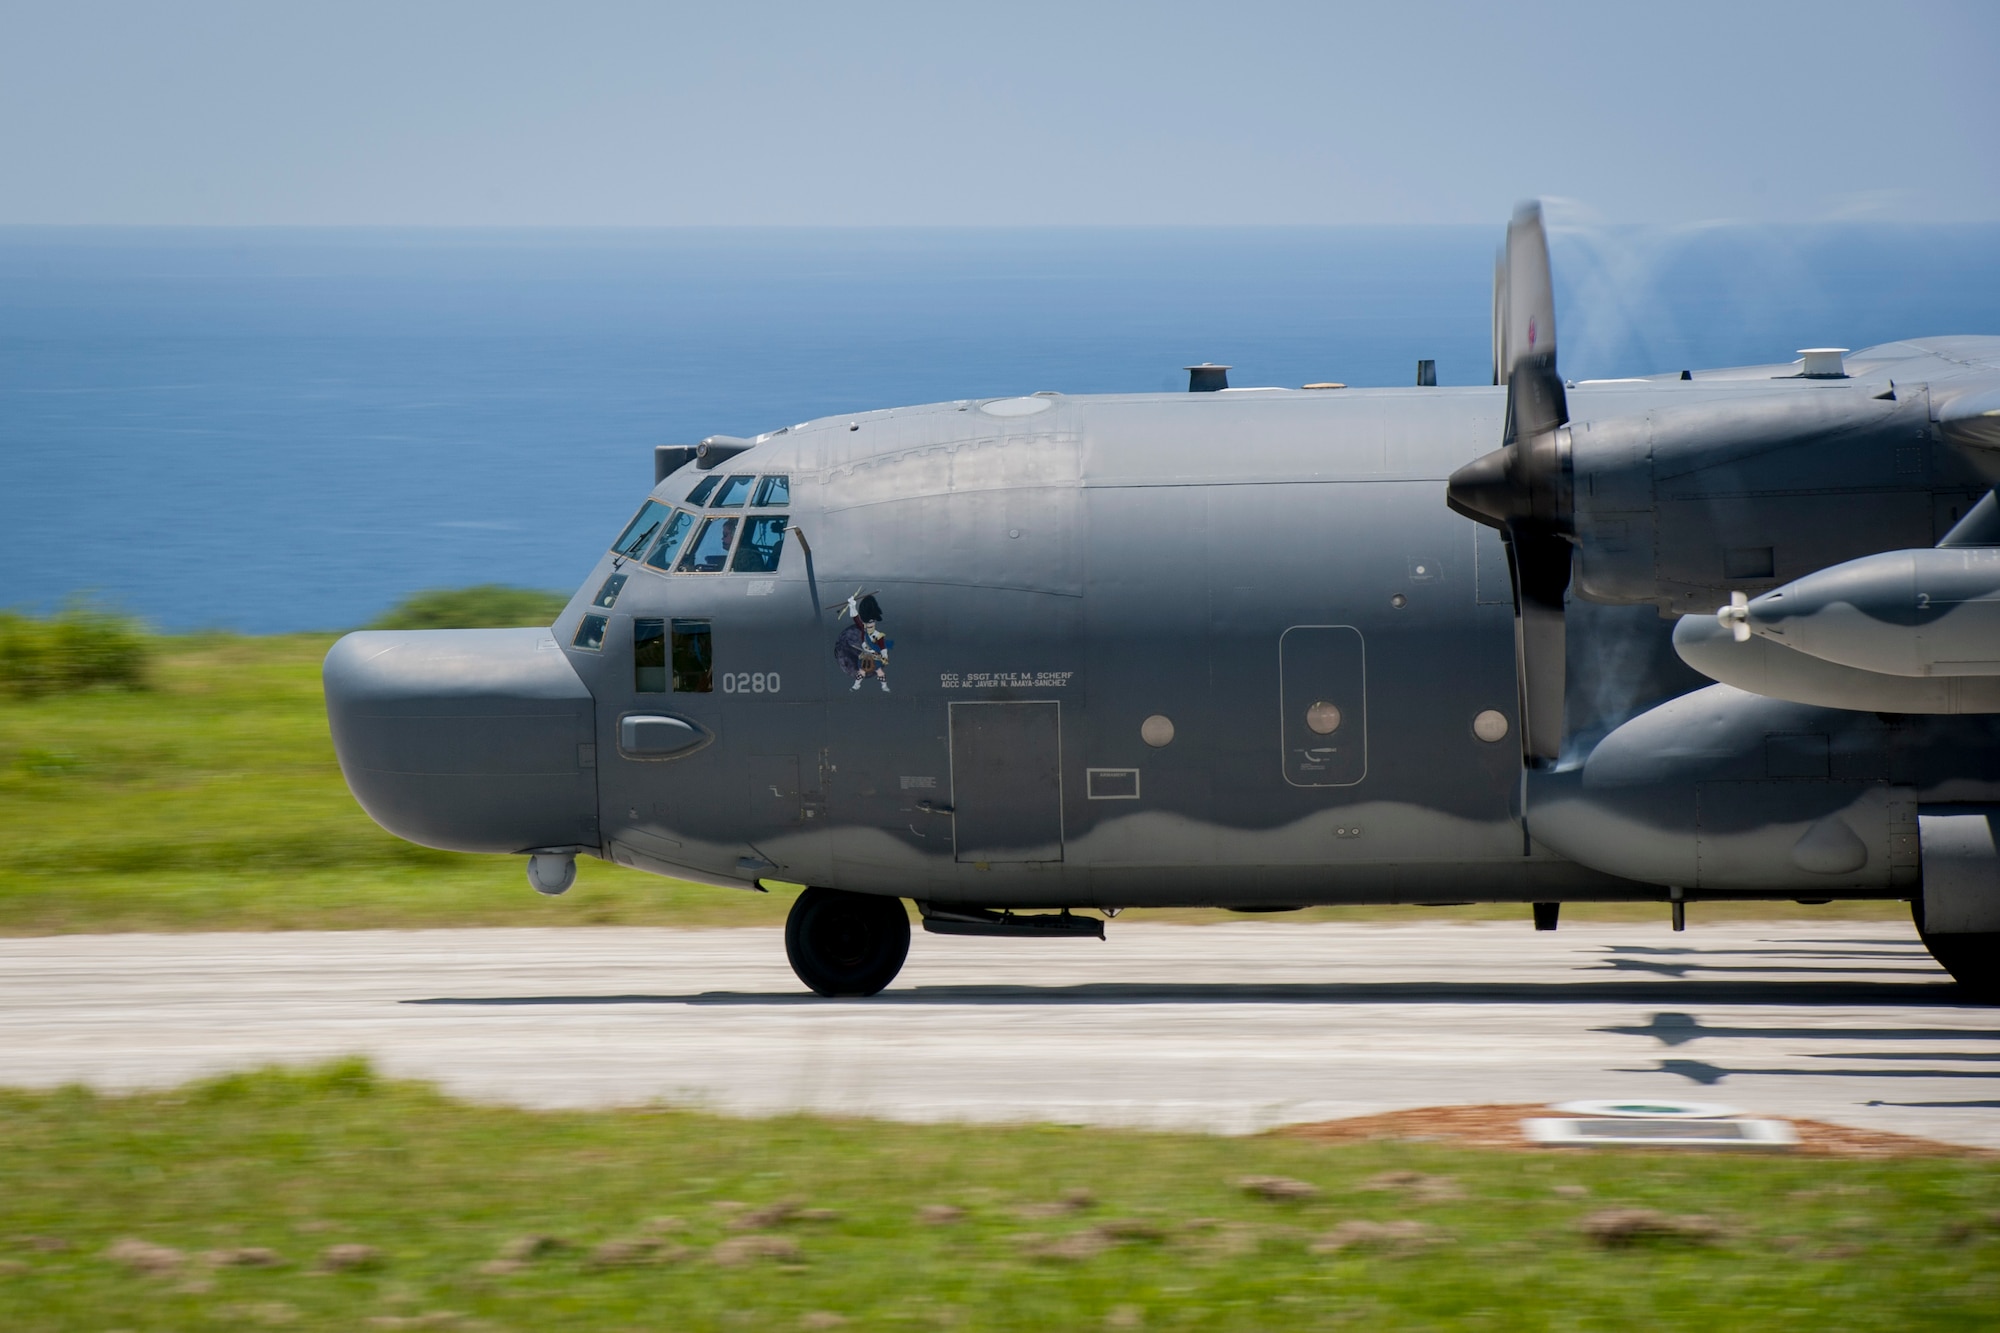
<point x="1226" y="1028"/>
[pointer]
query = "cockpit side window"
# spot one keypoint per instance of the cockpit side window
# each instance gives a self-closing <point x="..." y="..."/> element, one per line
<point x="693" y="658"/>
<point x="773" y="492"/>
<point x="700" y="492"/>
<point x="733" y="493"/>
<point x="589" y="634"/>
<point x="640" y="530"/>
<point x="607" y="596"/>
<point x="649" y="657"/>
<point x="710" y="549"/>
<point x="662" y="556"/>
<point x="763" y="542"/>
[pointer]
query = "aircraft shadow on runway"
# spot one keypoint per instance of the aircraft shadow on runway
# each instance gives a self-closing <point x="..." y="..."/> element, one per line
<point x="1920" y="989"/>
<point x="1671" y="1028"/>
<point x="1708" y="1075"/>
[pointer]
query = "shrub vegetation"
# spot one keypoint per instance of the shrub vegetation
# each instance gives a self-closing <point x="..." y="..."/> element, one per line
<point x="485" y="606"/>
<point x="81" y="647"/>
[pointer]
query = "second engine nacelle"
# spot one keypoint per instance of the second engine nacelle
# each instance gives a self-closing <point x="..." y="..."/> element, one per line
<point x="1725" y="790"/>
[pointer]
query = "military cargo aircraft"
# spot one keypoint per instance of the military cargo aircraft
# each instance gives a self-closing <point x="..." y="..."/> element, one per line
<point x="1718" y="635"/>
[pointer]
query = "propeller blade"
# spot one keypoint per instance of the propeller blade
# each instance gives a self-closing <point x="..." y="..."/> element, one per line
<point x="1536" y="404"/>
<point x="1540" y="564"/>
<point x="1530" y="303"/>
<point x="1523" y="488"/>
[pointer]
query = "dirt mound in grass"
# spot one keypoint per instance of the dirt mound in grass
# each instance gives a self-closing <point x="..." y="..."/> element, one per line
<point x="1500" y="1127"/>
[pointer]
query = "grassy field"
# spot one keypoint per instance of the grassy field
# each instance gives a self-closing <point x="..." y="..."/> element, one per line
<point x="211" y="801"/>
<point x="237" y="1204"/>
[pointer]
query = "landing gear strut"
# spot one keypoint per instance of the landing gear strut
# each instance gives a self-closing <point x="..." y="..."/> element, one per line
<point x="846" y="945"/>
<point x="1973" y="960"/>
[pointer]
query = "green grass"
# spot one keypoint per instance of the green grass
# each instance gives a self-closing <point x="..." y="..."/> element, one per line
<point x="211" y="801"/>
<point x="296" y="1162"/>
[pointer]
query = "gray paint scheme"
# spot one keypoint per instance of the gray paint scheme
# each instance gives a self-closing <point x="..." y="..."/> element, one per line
<point x="470" y="740"/>
<point x="1765" y="666"/>
<point x="1112" y="558"/>
<point x="1960" y="865"/>
<point x="1900" y="613"/>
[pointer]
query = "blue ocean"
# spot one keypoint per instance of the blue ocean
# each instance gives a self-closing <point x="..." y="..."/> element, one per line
<point x="271" y="430"/>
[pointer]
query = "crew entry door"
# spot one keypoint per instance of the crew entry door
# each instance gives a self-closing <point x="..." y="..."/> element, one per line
<point x="1322" y="682"/>
<point x="1006" y="781"/>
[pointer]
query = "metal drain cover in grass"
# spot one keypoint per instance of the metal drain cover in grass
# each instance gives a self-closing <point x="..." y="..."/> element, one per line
<point x="1666" y="1132"/>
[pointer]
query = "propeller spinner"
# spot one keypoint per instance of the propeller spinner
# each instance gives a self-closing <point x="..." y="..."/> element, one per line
<point x="1523" y="487"/>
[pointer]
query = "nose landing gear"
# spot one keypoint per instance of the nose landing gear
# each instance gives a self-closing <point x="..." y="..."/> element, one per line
<point x="846" y="945"/>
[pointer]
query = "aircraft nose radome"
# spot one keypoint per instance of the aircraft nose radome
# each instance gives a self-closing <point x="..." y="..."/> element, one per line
<point x="474" y="740"/>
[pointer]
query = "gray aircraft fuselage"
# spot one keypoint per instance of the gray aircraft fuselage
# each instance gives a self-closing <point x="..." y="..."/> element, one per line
<point x="1117" y="623"/>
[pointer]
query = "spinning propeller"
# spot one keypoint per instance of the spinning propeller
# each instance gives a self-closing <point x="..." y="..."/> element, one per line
<point x="1523" y="487"/>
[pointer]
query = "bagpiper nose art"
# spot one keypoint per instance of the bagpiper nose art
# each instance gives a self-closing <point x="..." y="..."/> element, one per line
<point x="862" y="650"/>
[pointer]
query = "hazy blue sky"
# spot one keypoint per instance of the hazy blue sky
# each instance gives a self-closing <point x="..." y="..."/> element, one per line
<point x="207" y="111"/>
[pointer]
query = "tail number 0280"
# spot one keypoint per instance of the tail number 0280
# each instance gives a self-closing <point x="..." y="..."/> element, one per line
<point x="749" y="682"/>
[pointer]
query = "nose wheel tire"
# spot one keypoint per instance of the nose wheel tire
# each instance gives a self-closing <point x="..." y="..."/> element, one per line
<point x="846" y="945"/>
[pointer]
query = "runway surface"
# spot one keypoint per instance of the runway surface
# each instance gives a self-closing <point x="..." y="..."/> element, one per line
<point x="1226" y="1028"/>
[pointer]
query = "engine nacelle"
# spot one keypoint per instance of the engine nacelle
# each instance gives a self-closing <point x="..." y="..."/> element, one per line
<point x="1746" y="488"/>
<point x="1725" y="790"/>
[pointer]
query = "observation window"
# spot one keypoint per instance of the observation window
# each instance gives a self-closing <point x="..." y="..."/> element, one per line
<point x="589" y="634"/>
<point x="640" y="530"/>
<point x="763" y="542"/>
<point x="733" y="493"/>
<point x="710" y="548"/>
<point x="607" y="596"/>
<point x="772" y="492"/>
<point x="694" y="662"/>
<point x="670" y="540"/>
<point x="701" y="490"/>
<point x="649" y="656"/>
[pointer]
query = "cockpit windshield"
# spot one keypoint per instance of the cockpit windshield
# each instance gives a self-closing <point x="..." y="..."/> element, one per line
<point x="640" y="530"/>
<point x="733" y="493"/>
<point x="679" y="541"/>
<point x="670" y="540"/>
<point x="763" y="542"/>
<point x="710" y="549"/>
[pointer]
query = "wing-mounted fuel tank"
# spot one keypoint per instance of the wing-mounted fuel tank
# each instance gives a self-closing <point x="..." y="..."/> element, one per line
<point x="1903" y="631"/>
<point x="1913" y="631"/>
<point x="1724" y="790"/>
<point x="1768" y="666"/>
